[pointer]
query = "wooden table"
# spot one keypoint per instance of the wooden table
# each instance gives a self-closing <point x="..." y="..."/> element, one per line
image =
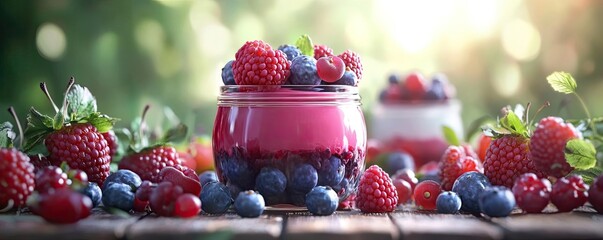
<point x="405" y="223"/>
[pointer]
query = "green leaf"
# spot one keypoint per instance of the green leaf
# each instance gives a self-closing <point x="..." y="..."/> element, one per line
<point x="58" y="121"/>
<point x="304" y="43"/>
<point x="450" y="136"/>
<point x="175" y="134"/>
<point x="476" y="127"/>
<point x="514" y="124"/>
<point x="38" y="127"/>
<point x="7" y="135"/>
<point x="81" y="103"/>
<point x="562" y="82"/>
<point x="103" y="123"/>
<point x="580" y="154"/>
<point x="589" y="175"/>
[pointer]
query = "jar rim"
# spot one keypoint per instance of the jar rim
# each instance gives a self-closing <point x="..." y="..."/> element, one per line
<point x="288" y="95"/>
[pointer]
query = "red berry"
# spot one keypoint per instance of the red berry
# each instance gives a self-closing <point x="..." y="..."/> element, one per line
<point x="16" y="179"/>
<point x="187" y="206"/>
<point x="163" y="198"/>
<point x="39" y="162"/>
<point x="256" y="63"/>
<point x="531" y="193"/>
<point x="111" y="142"/>
<point x="190" y="184"/>
<point x="82" y="147"/>
<point x="414" y="86"/>
<point x="454" y="163"/>
<point x="77" y="177"/>
<point x="322" y="51"/>
<point x="392" y="93"/>
<point x="61" y="206"/>
<point x="144" y="191"/>
<point x="352" y="62"/>
<point x="595" y="194"/>
<point x="482" y="146"/>
<point x="548" y="144"/>
<point x="426" y="193"/>
<point x="330" y="69"/>
<point x="140" y="205"/>
<point x="404" y="190"/>
<point x="569" y="192"/>
<point x="508" y="158"/>
<point x="406" y="175"/>
<point x="376" y="193"/>
<point x="50" y="178"/>
<point x="148" y="163"/>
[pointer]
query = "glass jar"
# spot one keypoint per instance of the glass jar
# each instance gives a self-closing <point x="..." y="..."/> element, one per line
<point x="284" y="140"/>
<point x="416" y="127"/>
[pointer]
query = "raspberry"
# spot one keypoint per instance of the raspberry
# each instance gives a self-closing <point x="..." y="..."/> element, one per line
<point x="50" y="178"/>
<point x="548" y="143"/>
<point x="569" y="192"/>
<point x="352" y="61"/>
<point x="256" y="63"/>
<point x="376" y="192"/>
<point x="322" y="51"/>
<point x="16" y="178"/>
<point x="82" y="147"/>
<point x="595" y="194"/>
<point x="531" y="193"/>
<point x="426" y="193"/>
<point x="454" y="163"/>
<point x="39" y="162"/>
<point x="507" y="158"/>
<point x="111" y="142"/>
<point x="148" y="163"/>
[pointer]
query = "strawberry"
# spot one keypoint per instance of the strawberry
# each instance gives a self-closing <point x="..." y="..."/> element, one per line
<point x="183" y="178"/>
<point x="548" y="144"/>
<point x="73" y="135"/>
<point x="455" y="161"/>
<point x="508" y="156"/>
<point x="148" y="160"/>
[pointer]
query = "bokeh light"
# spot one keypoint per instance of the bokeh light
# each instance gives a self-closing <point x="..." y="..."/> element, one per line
<point x="51" y="41"/>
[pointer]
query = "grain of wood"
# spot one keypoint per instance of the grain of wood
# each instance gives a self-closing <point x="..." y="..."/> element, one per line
<point x="423" y="225"/>
<point x="342" y="225"/>
<point x="228" y="226"/>
<point x="575" y="225"/>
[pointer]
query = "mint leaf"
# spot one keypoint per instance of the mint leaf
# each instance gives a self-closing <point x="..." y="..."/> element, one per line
<point x="7" y="135"/>
<point x="450" y="136"/>
<point x="304" y="44"/>
<point x="580" y="154"/>
<point x="103" y="123"/>
<point x="175" y="134"/>
<point x="38" y="127"/>
<point x="562" y="82"/>
<point x="81" y="103"/>
<point x="514" y="124"/>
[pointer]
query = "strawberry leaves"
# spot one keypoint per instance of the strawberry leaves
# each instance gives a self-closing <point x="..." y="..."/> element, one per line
<point x="562" y="82"/>
<point x="304" y="44"/>
<point x="580" y="154"/>
<point x="513" y="122"/>
<point x="81" y="103"/>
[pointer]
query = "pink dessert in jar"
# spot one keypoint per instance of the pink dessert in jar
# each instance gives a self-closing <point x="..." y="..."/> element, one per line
<point x="284" y="133"/>
<point x="411" y="114"/>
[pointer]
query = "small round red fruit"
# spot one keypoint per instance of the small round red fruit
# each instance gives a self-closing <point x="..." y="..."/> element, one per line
<point x="532" y="194"/>
<point x="595" y="194"/>
<point x="51" y="177"/>
<point x="569" y="192"/>
<point x="426" y="193"/>
<point x="330" y="69"/>
<point x="404" y="190"/>
<point x="187" y="206"/>
<point x="415" y="86"/>
<point x="61" y="206"/>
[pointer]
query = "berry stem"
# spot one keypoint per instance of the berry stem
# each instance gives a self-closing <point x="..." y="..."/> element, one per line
<point x="590" y="119"/>
<point x="45" y="90"/>
<point x="65" y="104"/>
<point x="12" y="112"/>
<point x="144" y="115"/>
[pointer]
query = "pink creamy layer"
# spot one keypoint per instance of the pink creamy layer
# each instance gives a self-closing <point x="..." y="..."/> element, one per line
<point x="293" y="127"/>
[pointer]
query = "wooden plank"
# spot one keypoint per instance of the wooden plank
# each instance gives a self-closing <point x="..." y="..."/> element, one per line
<point x="581" y="224"/>
<point x="98" y="226"/>
<point x="227" y="226"/>
<point x="345" y="225"/>
<point x="428" y="225"/>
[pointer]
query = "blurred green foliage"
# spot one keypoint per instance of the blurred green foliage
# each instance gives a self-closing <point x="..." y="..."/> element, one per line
<point x="170" y="52"/>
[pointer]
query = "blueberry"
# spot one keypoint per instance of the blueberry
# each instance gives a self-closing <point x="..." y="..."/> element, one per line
<point x="431" y="175"/>
<point x="291" y="51"/>
<point x="322" y="201"/>
<point x="436" y="91"/>
<point x="349" y="78"/>
<point x="123" y="176"/>
<point x="233" y="189"/>
<point x="278" y="199"/>
<point x="342" y="185"/>
<point x="297" y="198"/>
<point x="249" y="204"/>
<point x="303" y="178"/>
<point x="399" y="160"/>
<point x="497" y="201"/>
<point x="393" y="78"/>
<point x="93" y="191"/>
<point x="208" y="176"/>
<point x="331" y="172"/>
<point x="469" y="186"/>
<point x="119" y="195"/>
<point x="239" y="172"/>
<point x="215" y="198"/>
<point x="448" y="202"/>
<point x="227" y="75"/>
<point x="303" y="71"/>
<point x="271" y="182"/>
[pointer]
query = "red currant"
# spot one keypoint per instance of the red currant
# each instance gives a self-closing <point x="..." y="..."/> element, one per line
<point x="595" y="194"/>
<point x="426" y="193"/>
<point x="569" y="192"/>
<point x="163" y="197"/>
<point x="50" y="177"/>
<point x="61" y="206"/>
<point x="330" y="69"/>
<point x="187" y="206"/>
<point x="404" y="190"/>
<point x="532" y="194"/>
